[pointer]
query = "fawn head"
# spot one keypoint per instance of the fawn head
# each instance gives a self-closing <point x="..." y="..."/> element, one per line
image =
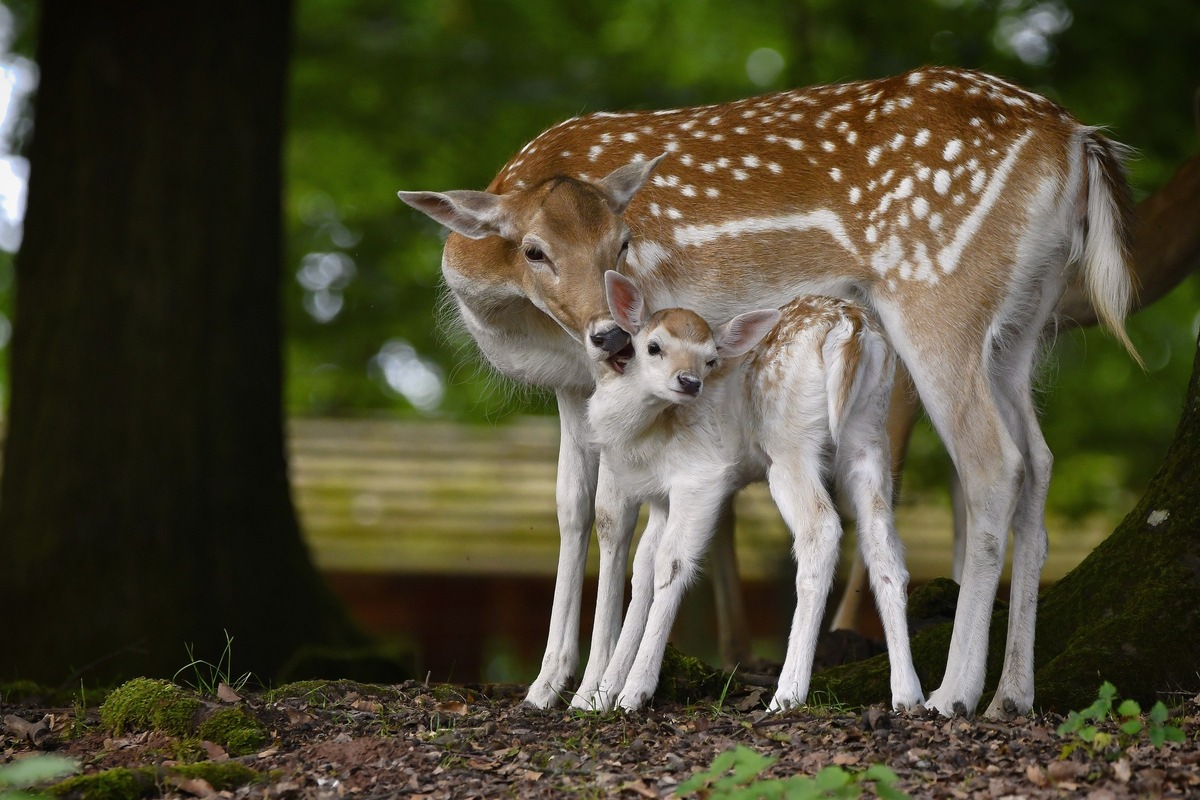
<point x="674" y="350"/>
<point x="559" y="237"/>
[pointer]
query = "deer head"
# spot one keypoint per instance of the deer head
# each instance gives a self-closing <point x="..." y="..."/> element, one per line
<point x="559" y="237"/>
<point x="674" y="350"/>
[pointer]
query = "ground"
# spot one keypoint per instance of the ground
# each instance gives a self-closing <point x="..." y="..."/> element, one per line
<point x="343" y="739"/>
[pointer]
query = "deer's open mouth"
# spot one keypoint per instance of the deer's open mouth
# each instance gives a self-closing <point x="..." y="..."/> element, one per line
<point x="619" y="359"/>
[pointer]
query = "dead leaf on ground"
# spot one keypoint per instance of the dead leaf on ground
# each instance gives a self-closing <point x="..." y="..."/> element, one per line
<point x="226" y="694"/>
<point x="453" y="707"/>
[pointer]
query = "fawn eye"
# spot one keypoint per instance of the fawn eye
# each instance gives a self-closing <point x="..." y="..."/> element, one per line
<point x="712" y="362"/>
<point x="653" y="348"/>
<point x="624" y="250"/>
<point x="534" y="253"/>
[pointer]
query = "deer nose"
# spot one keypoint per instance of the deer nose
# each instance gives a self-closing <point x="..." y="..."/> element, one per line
<point x="611" y="341"/>
<point x="688" y="383"/>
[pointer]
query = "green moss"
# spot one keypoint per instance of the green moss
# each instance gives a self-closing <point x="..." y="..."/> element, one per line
<point x="16" y="691"/>
<point x="225" y="776"/>
<point x="323" y="692"/>
<point x="111" y="784"/>
<point x="150" y="704"/>
<point x="685" y="679"/>
<point x="235" y="730"/>
<point x="123" y="783"/>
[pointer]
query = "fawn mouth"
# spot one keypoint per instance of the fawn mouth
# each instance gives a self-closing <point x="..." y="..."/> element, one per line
<point x="619" y="359"/>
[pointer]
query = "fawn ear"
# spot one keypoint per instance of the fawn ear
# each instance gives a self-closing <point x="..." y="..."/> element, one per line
<point x="744" y="331"/>
<point x="475" y="215"/>
<point x="624" y="182"/>
<point x="625" y="301"/>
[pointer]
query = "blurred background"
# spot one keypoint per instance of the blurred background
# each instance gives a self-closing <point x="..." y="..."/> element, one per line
<point x="424" y="484"/>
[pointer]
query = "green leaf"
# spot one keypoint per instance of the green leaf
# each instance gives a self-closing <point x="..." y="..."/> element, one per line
<point x="1088" y="733"/>
<point x="1107" y="691"/>
<point x="1130" y="708"/>
<point x="881" y="773"/>
<point x="1132" y="727"/>
<point x="1157" y="737"/>
<point x="1158" y="712"/>
<point x="1173" y="734"/>
<point x="831" y="778"/>
<point x="889" y="792"/>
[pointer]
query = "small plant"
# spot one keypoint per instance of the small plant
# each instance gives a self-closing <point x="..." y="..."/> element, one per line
<point x="736" y="775"/>
<point x="1084" y="726"/>
<point x="207" y="676"/>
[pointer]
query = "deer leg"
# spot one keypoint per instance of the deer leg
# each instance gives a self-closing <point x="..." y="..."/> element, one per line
<point x="862" y="468"/>
<point x="687" y="535"/>
<point x="902" y="417"/>
<point x="605" y="694"/>
<point x="616" y="517"/>
<point x="798" y="490"/>
<point x="578" y="465"/>
<point x="733" y="626"/>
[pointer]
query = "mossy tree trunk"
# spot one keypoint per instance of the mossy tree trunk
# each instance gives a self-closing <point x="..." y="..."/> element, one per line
<point x="145" y="501"/>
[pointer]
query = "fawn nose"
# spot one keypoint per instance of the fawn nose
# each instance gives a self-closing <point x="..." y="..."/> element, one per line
<point x="688" y="383"/>
<point x="611" y="341"/>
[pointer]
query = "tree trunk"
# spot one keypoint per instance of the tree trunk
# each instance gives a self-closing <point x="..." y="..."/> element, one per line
<point x="145" y="502"/>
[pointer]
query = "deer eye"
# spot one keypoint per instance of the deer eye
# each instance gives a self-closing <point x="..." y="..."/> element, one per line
<point x="534" y="253"/>
<point x="653" y="348"/>
<point x="712" y="362"/>
<point x="624" y="250"/>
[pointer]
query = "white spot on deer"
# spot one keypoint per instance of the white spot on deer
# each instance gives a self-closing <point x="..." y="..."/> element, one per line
<point x="953" y="148"/>
<point x="687" y="126"/>
<point x="750" y="161"/>
<point x="774" y="167"/>
<point x="709" y="167"/>
<point x="873" y="155"/>
<point x="855" y="194"/>
<point x="935" y="221"/>
<point x="915" y="78"/>
<point x="977" y="181"/>
<point x="714" y="121"/>
<point x="594" y="152"/>
<point x="920" y="207"/>
<point x="903" y="219"/>
<point x="821" y="219"/>
<point x="959" y="199"/>
<point x="740" y="174"/>
<point x="644" y="257"/>
<point x="835" y="174"/>
<point x="1001" y="119"/>
<point x="629" y="136"/>
<point x="606" y="138"/>
<point x="655" y="210"/>
<point x="723" y="162"/>
<point x="921" y="138"/>
<point x="673" y="147"/>
<point x="712" y="191"/>
<point x="905" y="102"/>
<point x="904" y="189"/>
<point x="872" y="234"/>
<point x="674" y="213"/>
<point x="718" y="137"/>
<point x="851" y="137"/>
<point x="941" y="181"/>
<point x="887" y="257"/>
<point x="795" y="144"/>
<point x="688" y="191"/>
<point x="686" y="160"/>
<point x="886" y="177"/>
<point x="565" y="154"/>
<point x="741" y="129"/>
<point x="948" y="257"/>
<point x="823" y="119"/>
<point x="827" y="146"/>
<point x="923" y="173"/>
<point x="897" y="141"/>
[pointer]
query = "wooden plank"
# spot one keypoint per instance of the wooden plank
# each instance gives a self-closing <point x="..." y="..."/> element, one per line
<point x="384" y="496"/>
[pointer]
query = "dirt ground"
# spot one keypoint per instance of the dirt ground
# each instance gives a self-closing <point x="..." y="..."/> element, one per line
<point x="341" y="739"/>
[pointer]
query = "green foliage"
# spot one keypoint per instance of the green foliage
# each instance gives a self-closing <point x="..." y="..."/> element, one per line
<point x="207" y="676"/>
<point x="149" y="704"/>
<point x="737" y="775"/>
<point x="1086" y="728"/>
<point x="17" y="776"/>
<point x="235" y="730"/>
<point x="123" y="783"/>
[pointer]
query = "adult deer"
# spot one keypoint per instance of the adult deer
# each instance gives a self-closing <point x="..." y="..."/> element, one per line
<point x="952" y="203"/>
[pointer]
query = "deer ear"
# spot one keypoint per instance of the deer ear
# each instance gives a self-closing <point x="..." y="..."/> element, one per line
<point x="625" y="301"/>
<point x="475" y="215"/>
<point x="624" y="182"/>
<point x="744" y="331"/>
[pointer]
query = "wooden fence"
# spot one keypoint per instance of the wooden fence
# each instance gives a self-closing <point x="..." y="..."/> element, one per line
<point x="378" y="496"/>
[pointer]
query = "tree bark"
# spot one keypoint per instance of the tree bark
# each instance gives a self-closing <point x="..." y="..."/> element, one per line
<point x="145" y="502"/>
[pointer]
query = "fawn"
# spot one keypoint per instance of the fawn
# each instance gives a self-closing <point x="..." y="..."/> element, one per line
<point x="694" y="414"/>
